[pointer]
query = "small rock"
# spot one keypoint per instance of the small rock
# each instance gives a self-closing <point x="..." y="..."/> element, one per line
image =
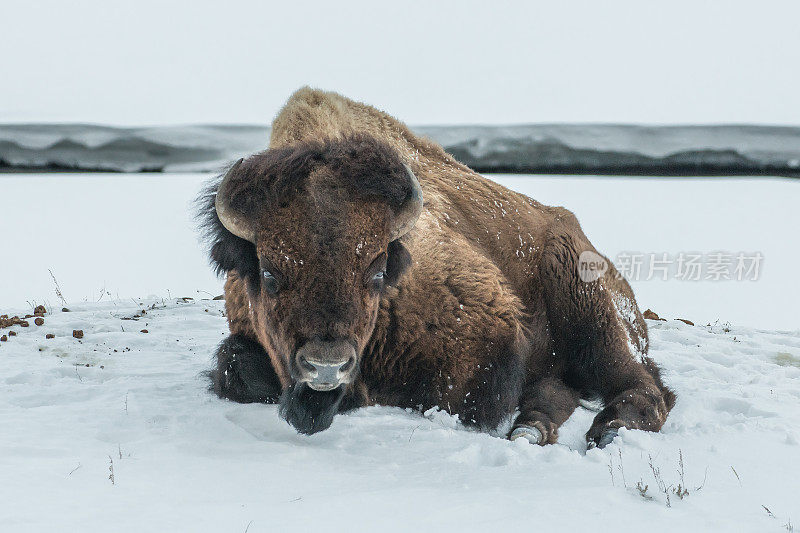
<point x="3" y="338"/>
<point x="23" y="323"/>
<point x="77" y="333"/>
<point x="6" y="322"/>
<point x="39" y="321"/>
<point x="220" y="297"/>
<point x="145" y="331"/>
<point x="12" y="333"/>
<point x="650" y="315"/>
<point x="64" y="310"/>
<point x="685" y="321"/>
<point x="39" y="310"/>
<point x="50" y="336"/>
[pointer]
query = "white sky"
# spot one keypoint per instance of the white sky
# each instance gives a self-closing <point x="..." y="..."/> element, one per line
<point x="160" y="62"/>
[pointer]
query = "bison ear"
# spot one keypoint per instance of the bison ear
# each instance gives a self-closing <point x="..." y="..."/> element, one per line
<point x="227" y="251"/>
<point x="232" y="253"/>
<point x="397" y="262"/>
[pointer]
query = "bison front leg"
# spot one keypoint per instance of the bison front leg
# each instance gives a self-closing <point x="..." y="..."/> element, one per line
<point x="600" y="336"/>
<point x="544" y="406"/>
<point x="244" y="372"/>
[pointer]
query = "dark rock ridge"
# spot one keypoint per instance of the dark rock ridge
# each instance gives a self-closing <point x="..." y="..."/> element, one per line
<point x="540" y="148"/>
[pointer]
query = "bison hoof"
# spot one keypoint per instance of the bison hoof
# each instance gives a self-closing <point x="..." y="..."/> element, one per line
<point x="605" y="439"/>
<point x="531" y="434"/>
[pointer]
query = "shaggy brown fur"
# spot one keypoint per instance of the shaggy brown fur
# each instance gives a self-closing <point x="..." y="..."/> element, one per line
<point x="482" y="310"/>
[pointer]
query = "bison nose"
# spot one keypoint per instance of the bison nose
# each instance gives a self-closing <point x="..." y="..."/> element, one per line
<point x="326" y="365"/>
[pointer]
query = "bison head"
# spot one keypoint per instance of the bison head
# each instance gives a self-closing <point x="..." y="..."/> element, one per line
<point x="312" y="229"/>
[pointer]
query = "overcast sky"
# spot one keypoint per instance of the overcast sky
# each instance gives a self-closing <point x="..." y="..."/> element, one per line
<point x="161" y="62"/>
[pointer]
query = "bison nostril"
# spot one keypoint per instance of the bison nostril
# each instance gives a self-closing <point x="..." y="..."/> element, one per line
<point x="305" y="365"/>
<point x="348" y="365"/>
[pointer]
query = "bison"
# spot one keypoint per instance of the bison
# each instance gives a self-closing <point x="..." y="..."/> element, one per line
<point x="365" y="265"/>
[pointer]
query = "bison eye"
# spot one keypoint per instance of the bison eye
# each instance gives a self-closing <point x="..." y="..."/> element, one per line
<point x="376" y="281"/>
<point x="374" y="275"/>
<point x="270" y="282"/>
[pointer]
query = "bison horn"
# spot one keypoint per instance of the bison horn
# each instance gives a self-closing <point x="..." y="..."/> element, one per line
<point x="409" y="212"/>
<point x="230" y="217"/>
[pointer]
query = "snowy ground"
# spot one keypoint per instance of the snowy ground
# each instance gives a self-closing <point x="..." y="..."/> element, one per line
<point x="186" y="461"/>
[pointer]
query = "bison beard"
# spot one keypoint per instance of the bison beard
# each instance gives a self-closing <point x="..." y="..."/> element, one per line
<point x="310" y="411"/>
